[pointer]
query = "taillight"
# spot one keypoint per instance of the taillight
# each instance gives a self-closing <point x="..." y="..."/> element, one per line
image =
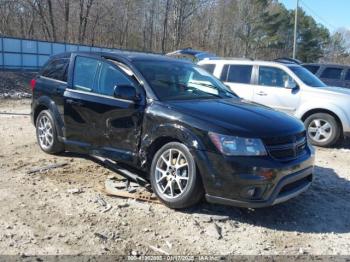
<point x="32" y="84"/>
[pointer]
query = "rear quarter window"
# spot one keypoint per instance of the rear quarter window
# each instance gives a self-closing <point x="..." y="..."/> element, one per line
<point x="331" y="73"/>
<point x="312" y="68"/>
<point x="56" y="69"/>
<point x="347" y="77"/>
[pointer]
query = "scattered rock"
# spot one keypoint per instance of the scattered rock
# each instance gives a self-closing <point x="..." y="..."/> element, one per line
<point x="134" y="253"/>
<point x="101" y="236"/>
<point x="121" y="205"/>
<point x="213" y="230"/>
<point x="75" y="191"/>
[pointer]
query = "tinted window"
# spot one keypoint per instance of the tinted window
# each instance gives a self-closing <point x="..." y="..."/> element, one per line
<point x="312" y="68"/>
<point x="347" y="77"/>
<point x="56" y="69"/>
<point x="111" y="77"/>
<point x="270" y="76"/>
<point x="331" y="73"/>
<point x="208" y="67"/>
<point x="85" y="70"/>
<point x="239" y="74"/>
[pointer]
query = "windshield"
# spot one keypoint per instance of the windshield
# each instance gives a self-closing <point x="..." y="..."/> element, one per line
<point x="177" y="81"/>
<point x="307" y="77"/>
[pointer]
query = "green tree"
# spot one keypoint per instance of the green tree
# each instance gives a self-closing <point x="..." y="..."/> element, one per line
<point x="312" y="39"/>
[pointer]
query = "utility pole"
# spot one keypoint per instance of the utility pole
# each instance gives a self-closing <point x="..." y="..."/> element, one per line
<point x="295" y="30"/>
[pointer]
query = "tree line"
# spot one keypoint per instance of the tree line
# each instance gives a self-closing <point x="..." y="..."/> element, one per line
<point x="259" y="29"/>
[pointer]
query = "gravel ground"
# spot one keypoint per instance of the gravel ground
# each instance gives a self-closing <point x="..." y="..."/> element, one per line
<point x="58" y="212"/>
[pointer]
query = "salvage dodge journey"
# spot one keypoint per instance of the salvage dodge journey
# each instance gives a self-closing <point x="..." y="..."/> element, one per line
<point x="175" y="123"/>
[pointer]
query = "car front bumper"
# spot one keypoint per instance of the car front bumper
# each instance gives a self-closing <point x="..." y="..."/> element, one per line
<point x="227" y="180"/>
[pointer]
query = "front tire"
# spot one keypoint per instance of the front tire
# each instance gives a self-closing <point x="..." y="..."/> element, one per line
<point x="322" y="129"/>
<point x="46" y="133"/>
<point x="174" y="176"/>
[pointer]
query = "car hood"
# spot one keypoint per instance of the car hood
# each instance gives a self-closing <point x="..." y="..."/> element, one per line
<point x="331" y="90"/>
<point x="240" y="117"/>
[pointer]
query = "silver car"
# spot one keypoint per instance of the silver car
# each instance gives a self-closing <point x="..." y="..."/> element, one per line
<point x="291" y="88"/>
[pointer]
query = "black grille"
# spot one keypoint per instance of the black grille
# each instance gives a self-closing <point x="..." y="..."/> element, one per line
<point x="287" y="147"/>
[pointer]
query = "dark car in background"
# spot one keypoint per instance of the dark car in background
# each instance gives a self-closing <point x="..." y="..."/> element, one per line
<point x="331" y="74"/>
<point x="176" y="123"/>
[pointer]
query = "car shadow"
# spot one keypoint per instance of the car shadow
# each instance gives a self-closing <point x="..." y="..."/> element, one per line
<point x="324" y="208"/>
<point x="345" y="144"/>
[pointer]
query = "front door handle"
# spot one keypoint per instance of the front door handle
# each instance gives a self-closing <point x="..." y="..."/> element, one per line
<point x="261" y="93"/>
<point x="73" y="102"/>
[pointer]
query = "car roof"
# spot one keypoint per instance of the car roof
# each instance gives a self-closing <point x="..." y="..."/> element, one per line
<point x="247" y="62"/>
<point x="128" y="55"/>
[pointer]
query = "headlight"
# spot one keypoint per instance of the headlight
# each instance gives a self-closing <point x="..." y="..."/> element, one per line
<point x="238" y="146"/>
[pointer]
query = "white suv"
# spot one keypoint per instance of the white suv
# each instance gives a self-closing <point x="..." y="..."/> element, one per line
<point x="291" y="88"/>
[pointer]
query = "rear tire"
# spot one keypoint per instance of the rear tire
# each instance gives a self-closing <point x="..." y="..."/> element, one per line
<point x="323" y="130"/>
<point x="174" y="176"/>
<point x="46" y="133"/>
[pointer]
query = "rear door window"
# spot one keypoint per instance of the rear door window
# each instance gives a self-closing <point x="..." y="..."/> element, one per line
<point x="312" y="68"/>
<point x="56" y="69"/>
<point x="85" y="71"/>
<point x="109" y="78"/>
<point x="208" y="67"/>
<point x="239" y="74"/>
<point x="332" y="73"/>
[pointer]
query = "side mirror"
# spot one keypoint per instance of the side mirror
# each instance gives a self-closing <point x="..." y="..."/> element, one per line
<point x="126" y="92"/>
<point x="291" y="84"/>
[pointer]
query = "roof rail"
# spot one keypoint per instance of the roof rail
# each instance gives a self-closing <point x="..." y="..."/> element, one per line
<point x="230" y="58"/>
<point x="287" y="60"/>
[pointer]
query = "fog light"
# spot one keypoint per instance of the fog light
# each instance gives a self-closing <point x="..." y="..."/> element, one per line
<point x="251" y="192"/>
<point x="248" y="192"/>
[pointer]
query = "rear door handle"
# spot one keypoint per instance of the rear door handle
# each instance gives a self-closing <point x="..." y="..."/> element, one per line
<point x="261" y="93"/>
<point x="73" y="102"/>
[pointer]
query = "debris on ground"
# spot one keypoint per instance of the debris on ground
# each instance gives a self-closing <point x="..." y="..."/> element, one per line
<point x="111" y="190"/>
<point x="158" y="250"/>
<point x="75" y="191"/>
<point x="15" y="84"/>
<point x="45" y="168"/>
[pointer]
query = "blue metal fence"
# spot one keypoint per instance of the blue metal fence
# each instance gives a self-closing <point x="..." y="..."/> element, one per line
<point x="25" y="54"/>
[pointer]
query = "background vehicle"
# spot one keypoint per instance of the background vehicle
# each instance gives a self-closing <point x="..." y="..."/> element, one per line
<point x="331" y="74"/>
<point x="191" y="54"/>
<point x="291" y="88"/>
<point x="175" y="122"/>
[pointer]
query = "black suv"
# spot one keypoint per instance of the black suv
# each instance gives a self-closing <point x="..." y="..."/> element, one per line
<point x="331" y="74"/>
<point x="177" y="124"/>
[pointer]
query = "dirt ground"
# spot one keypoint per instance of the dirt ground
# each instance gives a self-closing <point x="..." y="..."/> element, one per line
<point x="57" y="212"/>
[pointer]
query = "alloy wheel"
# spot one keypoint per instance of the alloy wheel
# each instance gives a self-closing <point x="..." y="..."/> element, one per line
<point x="172" y="173"/>
<point x="320" y="130"/>
<point x="45" y="132"/>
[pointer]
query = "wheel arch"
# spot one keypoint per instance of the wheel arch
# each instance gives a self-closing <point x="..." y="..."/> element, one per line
<point x="45" y="103"/>
<point x="163" y="134"/>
